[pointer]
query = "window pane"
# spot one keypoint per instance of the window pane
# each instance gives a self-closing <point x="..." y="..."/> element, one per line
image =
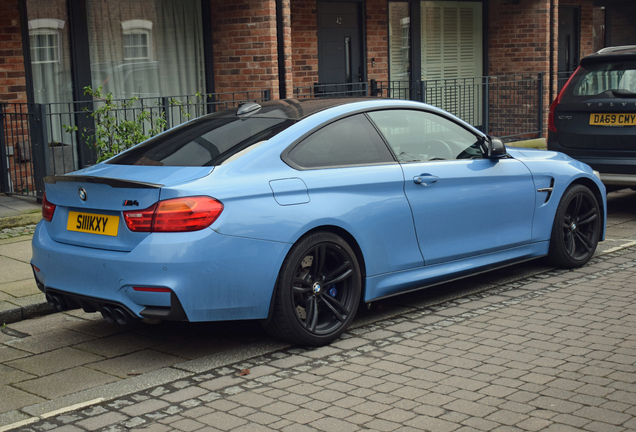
<point x="168" y="47"/>
<point x="399" y="41"/>
<point x="351" y="141"/>
<point x="417" y="136"/>
<point x="51" y="74"/>
<point x="451" y="39"/>
<point x="203" y="142"/>
<point x="598" y="78"/>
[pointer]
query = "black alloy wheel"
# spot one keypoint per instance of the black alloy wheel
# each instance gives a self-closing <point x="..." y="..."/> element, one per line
<point x="576" y="228"/>
<point x="318" y="291"/>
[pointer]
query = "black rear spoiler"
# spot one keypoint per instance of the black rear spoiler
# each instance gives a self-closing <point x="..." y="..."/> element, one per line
<point x="116" y="183"/>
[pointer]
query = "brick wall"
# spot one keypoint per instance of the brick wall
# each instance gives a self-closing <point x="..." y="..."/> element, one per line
<point x="519" y="42"/>
<point x="12" y="81"/>
<point x="377" y="40"/>
<point x="622" y="19"/>
<point x="287" y="35"/>
<point x="245" y="45"/>
<point x="304" y="35"/>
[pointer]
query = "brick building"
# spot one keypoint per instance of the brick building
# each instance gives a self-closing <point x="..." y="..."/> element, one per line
<point x="51" y="49"/>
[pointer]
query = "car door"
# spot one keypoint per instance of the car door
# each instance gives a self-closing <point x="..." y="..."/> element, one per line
<point x="464" y="204"/>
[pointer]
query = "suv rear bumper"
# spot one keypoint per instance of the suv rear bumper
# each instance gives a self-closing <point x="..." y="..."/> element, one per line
<point x="614" y="170"/>
<point x="618" y="179"/>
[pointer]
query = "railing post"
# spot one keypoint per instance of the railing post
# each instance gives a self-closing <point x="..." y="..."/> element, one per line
<point x="486" y="106"/>
<point x="86" y="153"/>
<point x="39" y="142"/>
<point x="165" y="110"/>
<point x="374" y="87"/>
<point x="422" y="89"/>
<point x="4" y="166"/>
<point x="267" y="94"/>
<point x="540" y="104"/>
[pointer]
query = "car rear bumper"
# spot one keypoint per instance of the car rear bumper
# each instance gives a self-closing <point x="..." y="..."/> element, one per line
<point x="210" y="276"/>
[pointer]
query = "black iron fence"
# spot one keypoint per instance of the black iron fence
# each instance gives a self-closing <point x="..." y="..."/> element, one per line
<point x="332" y="90"/>
<point x="507" y="106"/>
<point x="37" y="140"/>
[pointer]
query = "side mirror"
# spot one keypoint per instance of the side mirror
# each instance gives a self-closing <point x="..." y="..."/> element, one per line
<point x="496" y="148"/>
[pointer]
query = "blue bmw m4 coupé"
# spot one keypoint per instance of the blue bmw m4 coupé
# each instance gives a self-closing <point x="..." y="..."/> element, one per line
<point x="294" y="212"/>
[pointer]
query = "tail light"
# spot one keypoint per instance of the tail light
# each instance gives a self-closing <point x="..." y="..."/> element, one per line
<point x="557" y="101"/>
<point x="48" y="209"/>
<point x="175" y="215"/>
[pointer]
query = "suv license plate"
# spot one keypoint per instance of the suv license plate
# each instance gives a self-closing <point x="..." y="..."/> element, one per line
<point x="613" y="119"/>
<point x="93" y="223"/>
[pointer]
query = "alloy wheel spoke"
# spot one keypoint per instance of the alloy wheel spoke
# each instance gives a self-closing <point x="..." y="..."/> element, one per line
<point x="301" y="289"/>
<point x="318" y="262"/>
<point x="588" y="217"/>
<point x="587" y="244"/>
<point x="578" y="201"/>
<point x="337" y="308"/>
<point x="312" y="314"/>
<point x="570" y="244"/>
<point x="339" y="274"/>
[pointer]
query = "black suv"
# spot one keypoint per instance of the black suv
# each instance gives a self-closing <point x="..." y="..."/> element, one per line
<point x="593" y="119"/>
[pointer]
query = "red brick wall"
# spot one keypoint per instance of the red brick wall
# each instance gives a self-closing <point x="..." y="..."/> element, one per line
<point x="519" y="42"/>
<point x="287" y="34"/>
<point x="304" y="35"/>
<point x="622" y="19"/>
<point x="377" y="39"/>
<point x="519" y="37"/>
<point x="244" y="40"/>
<point x="12" y="81"/>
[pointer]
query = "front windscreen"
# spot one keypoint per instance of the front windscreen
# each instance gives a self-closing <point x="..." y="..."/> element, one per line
<point x="205" y="142"/>
<point x="595" y="79"/>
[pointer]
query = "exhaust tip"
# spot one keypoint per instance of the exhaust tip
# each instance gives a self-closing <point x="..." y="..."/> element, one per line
<point x="121" y="316"/>
<point x="107" y="314"/>
<point x="58" y="302"/>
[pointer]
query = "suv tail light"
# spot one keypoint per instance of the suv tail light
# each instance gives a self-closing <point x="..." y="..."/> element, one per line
<point x="48" y="209"/>
<point x="557" y="101"/>
<point x="175" y="215"/>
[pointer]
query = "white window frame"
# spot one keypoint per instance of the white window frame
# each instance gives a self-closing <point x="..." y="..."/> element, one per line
<point x="133" y="27"/>
<point x="46" y="26"/>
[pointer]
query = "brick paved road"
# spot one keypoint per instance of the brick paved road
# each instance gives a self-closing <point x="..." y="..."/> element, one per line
<point x="556" y="351"/>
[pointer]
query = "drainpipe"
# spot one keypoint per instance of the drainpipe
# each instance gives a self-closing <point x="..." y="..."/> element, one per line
<point x="551" y="51"/>
<point x="280" y="48"/>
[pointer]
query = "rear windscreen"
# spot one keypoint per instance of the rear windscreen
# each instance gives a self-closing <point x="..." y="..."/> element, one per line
<point x="203" y="142"/>
<point x="599" y="78"/>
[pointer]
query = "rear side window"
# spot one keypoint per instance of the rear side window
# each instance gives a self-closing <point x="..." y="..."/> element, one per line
<point x="595" y="79"/>
<point x="346" y="142"/>
<point x="204" y="143"/>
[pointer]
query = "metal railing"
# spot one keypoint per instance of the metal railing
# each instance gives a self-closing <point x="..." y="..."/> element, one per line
<point x="37" y="140"/>
<point x="332" y="90"/>
<point x="507" y="106"/>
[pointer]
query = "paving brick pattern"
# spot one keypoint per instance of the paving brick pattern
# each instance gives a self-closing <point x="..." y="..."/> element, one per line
<point x="553" y="352"/>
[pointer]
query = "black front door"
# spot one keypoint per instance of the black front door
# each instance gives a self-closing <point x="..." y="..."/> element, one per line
<point x="569" y="35"/>
<point x="339" y="50"/>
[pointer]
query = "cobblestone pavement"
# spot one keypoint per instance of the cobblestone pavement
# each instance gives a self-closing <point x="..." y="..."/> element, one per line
<point x="6" y="233"/>
<point x="552" y="352"/>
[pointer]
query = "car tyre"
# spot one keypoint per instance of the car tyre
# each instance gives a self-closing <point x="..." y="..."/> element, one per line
<point x="576" y="229"/>
<point x="317" y="292"/>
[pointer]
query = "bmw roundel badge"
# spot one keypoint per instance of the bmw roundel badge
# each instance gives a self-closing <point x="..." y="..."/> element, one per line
<point x="82" y="193"/>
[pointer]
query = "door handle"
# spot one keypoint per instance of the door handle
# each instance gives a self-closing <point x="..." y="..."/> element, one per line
<point x="425" y="179"/>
